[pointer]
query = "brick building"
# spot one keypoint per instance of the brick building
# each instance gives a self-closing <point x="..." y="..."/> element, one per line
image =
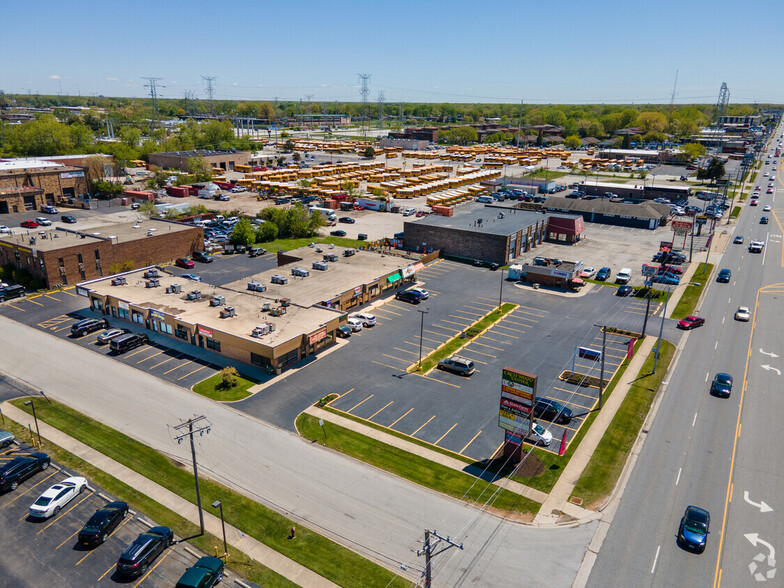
<point x="28" y="184"/>
<point x="65" y="256"/>
<point x="224" y="159"/>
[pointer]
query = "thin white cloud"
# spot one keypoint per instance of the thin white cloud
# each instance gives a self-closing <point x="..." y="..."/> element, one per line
<point x="54" y="77"/>
<point x="111" y="79"/>
<point x="235" y="84"/>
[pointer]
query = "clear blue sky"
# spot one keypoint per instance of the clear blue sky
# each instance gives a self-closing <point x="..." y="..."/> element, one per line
<point x="573" y="51"/>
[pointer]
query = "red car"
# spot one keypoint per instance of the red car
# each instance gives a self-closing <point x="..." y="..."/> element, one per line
<point x="753" y="202"/>
<point x="184" y="262"/>
<point x="691" y="322"/>
<point x="670" y="269"/>
<point x="29" y="224"/>
<point x="769" y="191"/>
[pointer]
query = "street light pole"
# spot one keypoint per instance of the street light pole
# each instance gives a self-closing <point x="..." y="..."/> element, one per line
<point x="422" y="314"/>
<point x="219" y="504"/>
<point x="601" y="369"/>
<point x="31" y="404"/>
<point x="661" y="329"/>
<point x="501" y="290"/>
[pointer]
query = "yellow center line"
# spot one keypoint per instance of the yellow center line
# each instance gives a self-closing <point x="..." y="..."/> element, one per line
<point x="379" y="410"/>
<point x="191" y="373"/>
<point x="179" y="366"/>
<point x="55" y="519"/>
<point x="155" y="355"/>
<point x="469" y="443"/>
<point x="360" y="402"/>
<point x="400" y="418"/>
<point x="159" y="562"/>
<point x="445" y="434"/>
<point x="420" y="428"/>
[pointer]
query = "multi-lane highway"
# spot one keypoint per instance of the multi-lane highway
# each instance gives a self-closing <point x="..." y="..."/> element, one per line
<point x="716" y="453"/>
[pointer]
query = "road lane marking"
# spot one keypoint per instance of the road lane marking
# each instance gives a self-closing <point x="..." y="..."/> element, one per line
<point x="400" y="418"/>
<point x="445" y="434"/>
<point x="655" y="559"/>
<point x="706" y="376"/>
<point x="379" y="410"/>
<point x="695" y="419"/>
<point x="469" y="443"/>
<point x="716" y="346"/>
<point x="360" y="402"/>
<point x="420" y="428"/>
<point x="678" y="479"/>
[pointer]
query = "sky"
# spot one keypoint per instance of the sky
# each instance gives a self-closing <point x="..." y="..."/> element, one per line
<point x="572" y="51"/>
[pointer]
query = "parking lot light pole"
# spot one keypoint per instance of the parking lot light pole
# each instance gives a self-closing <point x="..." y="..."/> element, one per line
<point x="219" y="504"/>
<point x="601" y="369"/>
<point x="31" y="404"/>
<point x="501" y="290"/>
<point x="422" y="314"/>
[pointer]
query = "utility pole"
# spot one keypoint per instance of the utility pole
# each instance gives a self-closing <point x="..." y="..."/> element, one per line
<point x="152" y="85"/>
<point x="501" y="290"/>
<point x="422" y="314"/>
<point x="647" y="310"/>
<point x="601" y="369"/>
<point x="202" y="426"/>
<point x="661" y="329"/>
<point x="380" y="109"/>
<point x="519" y="125"/>
<point x="429" y="551"/>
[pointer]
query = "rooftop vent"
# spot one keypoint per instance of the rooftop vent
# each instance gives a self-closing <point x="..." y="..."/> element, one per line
<point x="193" y="295"/>
<point x="153" y="283"/>
<point x="218" y="300"/>
<point x="121" y="281"/>
<point x="227" y="312"/>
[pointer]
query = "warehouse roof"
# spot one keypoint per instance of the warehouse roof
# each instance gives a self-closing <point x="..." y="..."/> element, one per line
<point x="483" y="219"/>
<point x="647" y="209"/>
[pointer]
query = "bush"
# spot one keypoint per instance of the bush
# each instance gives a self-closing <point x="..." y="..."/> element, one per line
<point x="228" y="376"/>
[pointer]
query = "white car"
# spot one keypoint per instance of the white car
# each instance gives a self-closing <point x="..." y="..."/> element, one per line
<point x="540" y="435"/>
<point x="354" y="324"/>
<point x="423" y="294"/>
<point x="53" y="500"/>
<point x="238" y="189"/>
<point x="743" y="314"/>
<point x="766" y="174"/>
<point x="368" y="320"/>
<point x="766" y="208"/>
<point x="43" y="221"/>
<point x="588" y="272"/>
<point x="4" y="230"/>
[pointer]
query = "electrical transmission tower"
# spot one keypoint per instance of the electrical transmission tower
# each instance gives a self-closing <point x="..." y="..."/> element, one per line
<point x="724" y="100"/>
<point x="380" y="109"/>
<point x="672" y="98"/>
<point x="429" y="551"/>
<point x="364" y="91"/>
<point x="210" y="91"/>
<point x="197" y="424"/>
<point x="152" y="84"/>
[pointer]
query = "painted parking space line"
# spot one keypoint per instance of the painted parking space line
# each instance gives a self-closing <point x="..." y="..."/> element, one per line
<point x="65" y="328"/>
<point x="493" y="300"/>
<point x="432" y="379"/>
<point x="498" y="340"/>
<point x="396" y="358"/>
<point x="381" y="310"/>
<point x="391" y="304"/>
<point x="16" y="307"/>
<point x="533" y="312"/>
<point x="55" y="321"/>
<point x="18" y="496"/>
<point x="450" y="334"/>
<point x="193" y="372"/>
<point x="479" y="352"/>
<point x="471" y="312"/>
<point x="154" y="355"/>
<point x="466" y="353"/>
<point x="57" y="518"/>
<point x="69" y="293"/>
<point x="380" y="409"/>
<point x="439" y="341"/>
<point x="152" y="569"/>
<point x="34" y="302"/>
<point x="106" y="572"/>
<point x="137" y="352"/>
<point x="504" y="322"/>
<point x="397" y="369"/>
<point x="486" y="345"/>
<point x="359" y="403"/>
<point x="406" y="351"/>
<point x="469" y="443"/>
<point x="179" y="366"/>
<point x="462" y="325"/>
<point x="400" y="418"/>
<point x="445" y="434"/>
<point x="423" y="426"/>
<point x="52" y="298"/>
<point x="166" y="360"/>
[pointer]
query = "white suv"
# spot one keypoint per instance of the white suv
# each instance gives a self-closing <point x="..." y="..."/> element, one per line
<point x="367" y="320"/>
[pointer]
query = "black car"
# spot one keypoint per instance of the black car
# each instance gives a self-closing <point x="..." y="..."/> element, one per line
<point x="338" y="233"/>
<point x="694" y="528"/>
<point x="343" y="332"/>
<point x="67" y="218"/>
<point x="763" y="220"/>
<point x="205" y="573"/>
<point x="102" y="523"/>
<point x="624" y="291"/>
<point x="409" y="296"/>
<point x="127" y="342"/>
<point x="724" y="276"/>
<point x="346" y="219"/>
<point x="88" y="326"/>
<point x="20" y="468"/>
<point x="138" y="556"/>
<point x="722" y="385"/>
<point x="603" y="273"/>
<point x="550" y="410"/>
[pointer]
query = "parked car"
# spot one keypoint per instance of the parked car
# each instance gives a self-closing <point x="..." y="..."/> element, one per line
<point x="127" y="342"/>
<point x="90" y="325"/>
<point x="256" y="251"/>
<point x="691" y="322"/>
<point x="539" y="434"/>
<point x="29" y="224"/>
<point x="343" y="331"/>
<point x="202" y="256"/>
<point x="43" y="221"/>
<point x="587" y="272"/>
<point x="20" y="468"/>
<point x="49" y="209"/>
<point x="67" y="218"/>
<point x="694" y="528"/>
<point x="550" y="410"/>
<point x="4" y="230"/>
<point x="184" y="262"/>
<point x="138" y="556"/>
<point x="193" y="277"/>
<point x="338" y="233"/>
<point x="667" y="279"/>
<point x="107" y="336"/>
<point x="103" y="522"/>
<point x="624" y="291"/>
<point x="354" y="324"/>
<point x="205" y="573"/>
<point x="423" y="294"/>
<point x="724" y="276"/>
<point x="6" y="439"/>
<point x="368" y="320"/>
<point x="347" y="220"/>
<point x="603" y="273"/>
<point x="743" y="314"/>
<point x="457" y="365"/>
<point x="408" y="296"/>
<point x="7" y="292"/>
<point x="722" y="385"/>
<point x="51" y="502"/>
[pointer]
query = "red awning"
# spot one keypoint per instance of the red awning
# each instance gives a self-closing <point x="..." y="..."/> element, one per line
<point x="578" y="281"/>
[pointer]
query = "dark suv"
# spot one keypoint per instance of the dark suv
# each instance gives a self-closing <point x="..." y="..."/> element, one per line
<point x="550" y="410"/>
<point x="102" y="523"/>
<point x="20" y="468"/>
<point x="15" y="291"/>
<point x="409" y="296"/>
<point x="138" y="556"/>
<point x="88" y="326"/>
<point x="127" y="342"/>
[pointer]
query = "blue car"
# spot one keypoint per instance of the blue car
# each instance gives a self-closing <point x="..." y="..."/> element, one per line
<point x="666" y="279"/>
<point x="694" y="528"/>
<point x="603" y="273"/>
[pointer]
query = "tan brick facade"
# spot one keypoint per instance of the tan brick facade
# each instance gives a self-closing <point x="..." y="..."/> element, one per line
<point x="30" y="188"/>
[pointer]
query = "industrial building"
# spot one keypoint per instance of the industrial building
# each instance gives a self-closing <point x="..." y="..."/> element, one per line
<point x="61" y="255"/>
<point x="644" y="215"/>
<point x="28" y="184"/>
<point x="224" y="159"/>
<point x="271" y="319"/>
<point x="635" y="191"/>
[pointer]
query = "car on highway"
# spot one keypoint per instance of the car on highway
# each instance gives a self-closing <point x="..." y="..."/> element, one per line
<point x="738" y="240"/>
<point x="754" y="202"/>
<point x="184" y="262"/>
<point x="587" y="272"/>
<point x="766" y="174"/>
<point x="338" y="233"/>
<point x="457" y="365"/>
<point x="694" y="528"/>
<point x="368" y="320"/>
<point x="691" y="322"/>
<point x="756" y="246"/>
<point x="724" y="276"/>
<point x="6" y="439"/>
<point x="138" y="556"/>
<point x="85" y="326"/>
<point x="103" y="522"/>
<point x="550" y="410"/>
<point x="354" y="324"/>
<point x="722" y="385"/>
<point x="205" y="573"/>
<point x="107" y="336"/>
<point x="423" y="294"/>
<point x="743" y="314"/>
<point x="603" y="273"/>
<point x="346" y="219"/>
<point x="343" y="331"/>
<point x="51" y="502"/>
<point x="539" y="434"/>
<point x="769" y="191"/>
<point x="408" y="296"/>
<point x="192" y="277"/>
<point x="20" y="468"/>
<point x="29" y="224"/>
<point x="624" y="291"/>
<point x="43" y="221"/>
<point x="68" y="218"/>
<point x="766" y="208"/>
<point x="763" y="220"/>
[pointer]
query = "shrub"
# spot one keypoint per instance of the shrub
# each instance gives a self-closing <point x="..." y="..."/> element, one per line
<point x="228" y="376"/>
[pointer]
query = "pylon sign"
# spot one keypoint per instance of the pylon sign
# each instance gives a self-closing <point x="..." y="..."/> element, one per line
<point x="518" y="395"/>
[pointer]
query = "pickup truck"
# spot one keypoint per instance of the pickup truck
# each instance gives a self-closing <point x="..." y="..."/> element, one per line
<point x="756" y="246"/>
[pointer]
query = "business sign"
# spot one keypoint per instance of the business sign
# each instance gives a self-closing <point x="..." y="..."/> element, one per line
<point x="158" y="315"/>
<point x="205" y="331"/>
<point x="73" y="174"/>
<point x="317" y="336"/>
<point x="123" y="305"/>
<point x="407" y="271"/>
<point x="518" y="394"/>
<point x="681" y="224"/>
<point x="665" y="245"/>
<point x="513" y="438"/>
<point x="649" y="270"/>
<point x="590" y="354"/>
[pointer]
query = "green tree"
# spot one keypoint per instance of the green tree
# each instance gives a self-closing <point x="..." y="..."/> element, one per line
<point x="296" y="156"/>
<point x="81" y="136"/>
<point x="288" y="146"/>
<point x="693" y="150"/>
<point x="228" y="377"/>
<point x="130" y="136"/>
<point x="298" y="222"/>
<point x="243" y="233"/>
<point x="573" y="142"/>
<point x="43" y="136"/>
<point x="267" y="232"/>
<point x="148" y="209"/>
<point x="652" y="122"/>
<point x="369" y="152"/>
<point x="199" y="169"/>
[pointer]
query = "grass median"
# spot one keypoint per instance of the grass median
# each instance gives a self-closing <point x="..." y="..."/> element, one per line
<point x="325" y="557"/>
<point x="692" y="293"/>
<point x="608" y="460"/>
<point x="211" y="388"/>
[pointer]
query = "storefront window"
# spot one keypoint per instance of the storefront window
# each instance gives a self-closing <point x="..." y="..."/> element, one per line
<point x="213" y="344"/>
<point x="181" y="333"/>
<point x="165" y="328"/>
<point x="138" y="317"/>
<point x="123" y="314"/>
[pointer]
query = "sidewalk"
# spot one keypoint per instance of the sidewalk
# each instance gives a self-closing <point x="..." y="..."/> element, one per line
<point x="212" y="524"/>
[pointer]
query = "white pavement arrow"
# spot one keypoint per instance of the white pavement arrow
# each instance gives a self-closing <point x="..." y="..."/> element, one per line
<point x="761" y="505"/>
<point x="771" y="368"/>
<point x="755" y="540"/>
<point x="766" y="353"/>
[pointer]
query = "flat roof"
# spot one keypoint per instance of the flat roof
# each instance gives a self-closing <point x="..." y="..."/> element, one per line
<point x="466" y="218"/>
<point x="27" y="163"/>
<point x="364" y="267"/>
<point x="61" y="236"/>
<point x="200" y="152"/>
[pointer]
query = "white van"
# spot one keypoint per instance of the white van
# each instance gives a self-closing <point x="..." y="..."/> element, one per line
<point x="485" y="199"/>
<point x="623" y="276"/>
<point x="409" y="211"/>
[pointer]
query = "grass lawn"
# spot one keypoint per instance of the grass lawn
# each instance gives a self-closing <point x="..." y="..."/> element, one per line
<point x="692" y="294"/>
<point x="210" y="388"/>
<point x="238" y="561"/>
<point x="289" y="244"/>
<point x="325" y="557"/>
<point x="735" y="212"/>
<point x="412" y="467"/>
<point x="609" y="459"/>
